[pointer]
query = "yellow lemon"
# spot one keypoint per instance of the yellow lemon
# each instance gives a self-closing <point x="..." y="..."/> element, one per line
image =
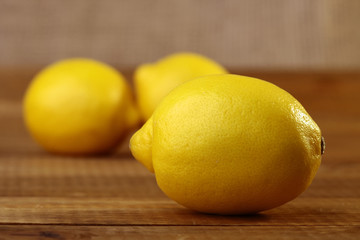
<point x="154" y="81"/>
<point x="79" y="106"/>
<point x="230" y="144"/>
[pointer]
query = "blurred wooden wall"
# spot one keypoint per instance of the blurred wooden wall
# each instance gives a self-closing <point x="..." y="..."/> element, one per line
<point x="245" y="34"/>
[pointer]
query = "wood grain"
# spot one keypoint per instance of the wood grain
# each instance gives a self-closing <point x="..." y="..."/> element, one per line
<point x="40" y="232"/>
<point x="45" y="196"/>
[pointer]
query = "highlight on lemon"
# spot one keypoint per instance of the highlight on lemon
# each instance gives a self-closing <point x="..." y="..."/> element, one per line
<point x="229" y="144"/>
<point x="153" y="81"/>
<point x="79" y="106"/>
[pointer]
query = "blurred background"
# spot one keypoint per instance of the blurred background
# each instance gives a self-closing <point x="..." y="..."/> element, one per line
<point x="245" y="36"/>
<point x="240" y="34"/>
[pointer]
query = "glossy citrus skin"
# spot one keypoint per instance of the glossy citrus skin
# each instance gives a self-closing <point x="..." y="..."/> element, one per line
<point x="230" y="144"/>
<point x="154" y="81"/>
<point x="79" y="106"/>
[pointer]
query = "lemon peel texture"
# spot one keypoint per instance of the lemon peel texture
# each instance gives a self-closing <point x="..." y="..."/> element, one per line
<point x="229" y="144"/>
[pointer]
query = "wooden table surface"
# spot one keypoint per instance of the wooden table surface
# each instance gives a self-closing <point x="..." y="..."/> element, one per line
<point x="44" y="196"/>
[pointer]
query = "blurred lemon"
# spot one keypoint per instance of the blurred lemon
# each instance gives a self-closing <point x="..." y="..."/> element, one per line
<point x="154" y="81"/>
<point x="79" y="106"/>
<point x="229" y="144"/>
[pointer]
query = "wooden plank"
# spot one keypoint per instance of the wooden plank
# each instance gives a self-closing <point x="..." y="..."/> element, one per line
<point x="112" y="196"/>
<point x="115" y="190"/>
<point x="121" y="176"/>
<point x="39" y="232"/>
<point x="119" y="211"/>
